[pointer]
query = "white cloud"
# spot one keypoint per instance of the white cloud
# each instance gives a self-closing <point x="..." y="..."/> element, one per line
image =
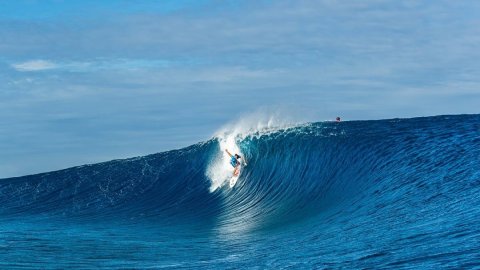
<point x="93" y="65"/>
<point x="34" y="65"/>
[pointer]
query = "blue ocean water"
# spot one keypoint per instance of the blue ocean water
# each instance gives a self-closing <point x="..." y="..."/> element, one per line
<point x="401" y="193"/>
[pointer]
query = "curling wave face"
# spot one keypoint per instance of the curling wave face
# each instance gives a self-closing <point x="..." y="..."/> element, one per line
<point x="389" y="184"/>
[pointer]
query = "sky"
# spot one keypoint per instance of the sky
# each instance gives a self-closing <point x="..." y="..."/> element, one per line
<point x="90" y="81"/>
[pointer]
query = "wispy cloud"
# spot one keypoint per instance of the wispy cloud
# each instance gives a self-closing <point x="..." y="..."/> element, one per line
<point x="34" y="65"/>
<point x="92" y="65"/>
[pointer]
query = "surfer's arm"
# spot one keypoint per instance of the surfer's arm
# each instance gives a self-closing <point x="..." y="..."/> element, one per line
<point x="226" y="150"/>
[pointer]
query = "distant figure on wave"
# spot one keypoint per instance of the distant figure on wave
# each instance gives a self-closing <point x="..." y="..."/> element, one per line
<point x="338" y="119"/>
<point x="235" y="162"/>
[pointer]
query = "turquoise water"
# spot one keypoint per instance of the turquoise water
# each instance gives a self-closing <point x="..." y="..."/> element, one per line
<point x="399" y="193"/>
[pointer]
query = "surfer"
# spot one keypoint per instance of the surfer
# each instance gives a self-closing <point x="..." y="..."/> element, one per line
<point x="338" y="119"/>
<point x="235" y="162"/>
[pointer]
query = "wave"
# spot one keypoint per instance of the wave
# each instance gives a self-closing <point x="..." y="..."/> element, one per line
<point x="294" y="173"/>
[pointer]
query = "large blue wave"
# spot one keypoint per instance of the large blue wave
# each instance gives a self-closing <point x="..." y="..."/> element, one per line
<point x="415" y="177"/>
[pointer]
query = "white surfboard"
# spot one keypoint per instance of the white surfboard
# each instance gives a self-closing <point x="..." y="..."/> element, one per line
<point x="234" y="179"/>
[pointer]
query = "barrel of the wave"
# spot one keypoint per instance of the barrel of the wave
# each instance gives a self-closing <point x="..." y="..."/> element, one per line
<point x="224" y="167"/>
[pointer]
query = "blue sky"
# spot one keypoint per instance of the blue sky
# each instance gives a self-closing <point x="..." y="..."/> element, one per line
<point x="90" y="81"/>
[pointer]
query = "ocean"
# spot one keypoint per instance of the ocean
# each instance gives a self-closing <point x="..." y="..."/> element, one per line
<point x="397" y="193"/>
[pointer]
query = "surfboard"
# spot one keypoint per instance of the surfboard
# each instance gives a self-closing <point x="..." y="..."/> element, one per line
<point x="234" y="179"/>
